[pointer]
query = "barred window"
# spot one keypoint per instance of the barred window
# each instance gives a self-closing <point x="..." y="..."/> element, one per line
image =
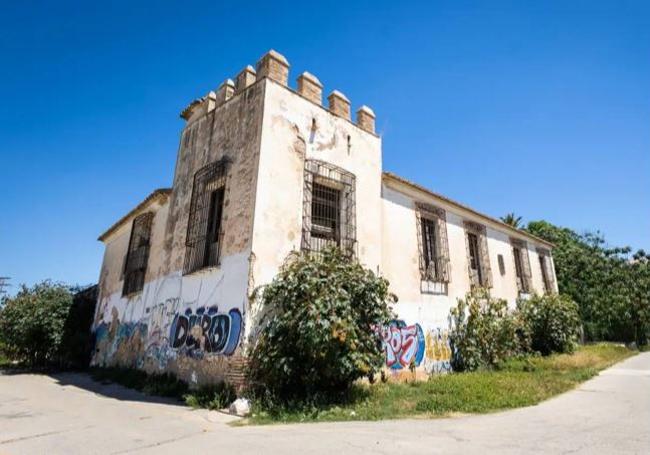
<point x="432" y="243"/>
<point x="137" y="255"/>
<point x="522" y="266"/>
<point x="328" y="208"/>
<point x="204" y="234"/>
<point x="480" y="273"/>
<point x="547" y="270"/>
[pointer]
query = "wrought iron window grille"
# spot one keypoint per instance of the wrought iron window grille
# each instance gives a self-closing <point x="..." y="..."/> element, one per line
<point x="329" y="208"/>
<point x="433" y="246"/>
<point x="547" y="270"/>
<point x="137" y="256"/>
<point x="522" y="266"/>
<point x="478" y="258"/>
<point x="203" y="242"/>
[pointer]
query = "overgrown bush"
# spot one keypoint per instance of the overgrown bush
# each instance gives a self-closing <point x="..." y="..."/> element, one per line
<point x="484" y="332"/>
<point x="212" y="396"/>
<point x="32" y="323"/>
<point x="552" y="321"/>
<point x="320" y="333"/>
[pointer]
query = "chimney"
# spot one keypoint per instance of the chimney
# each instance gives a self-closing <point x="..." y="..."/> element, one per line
<point x="274" y="66"/>
<point x="366" y="119"/>
<point x="225" y="92"/>
<point x="245" y="78"/>
<point x="310" y="87"/>
<point x="339" y="104"/>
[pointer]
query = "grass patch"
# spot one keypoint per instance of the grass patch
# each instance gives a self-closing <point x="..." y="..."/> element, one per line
<point x="516" y="383"/>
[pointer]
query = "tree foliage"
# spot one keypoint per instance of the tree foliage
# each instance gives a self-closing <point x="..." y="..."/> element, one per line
<point x="610" y="284"/>
<point x="320" y="334"/>
<point x="551" y="321"/>
<point x="32" y="323"/>
<point x="483" y="332"/>
<point x="512" y="219"/>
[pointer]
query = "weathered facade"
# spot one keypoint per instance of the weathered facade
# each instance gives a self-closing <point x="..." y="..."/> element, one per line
<point x="263" y="170"/>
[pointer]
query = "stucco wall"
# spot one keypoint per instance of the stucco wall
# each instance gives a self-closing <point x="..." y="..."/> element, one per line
<point x="160" y="328"/>
<point x="423" y="308"/>
<point x="268" y="131"/>
<point x="287" y="140"/>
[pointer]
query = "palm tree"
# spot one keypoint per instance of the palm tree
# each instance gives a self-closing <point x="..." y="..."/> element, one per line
<point x="512" y="220"/>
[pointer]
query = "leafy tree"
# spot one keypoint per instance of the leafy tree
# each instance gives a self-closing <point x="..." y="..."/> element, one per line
<point x="610" y="284"/>
<point x="512" y="220"/>
<point x="483" y="332"/>
<point x="551" y="321"/>
<point x="32" y="323"/>
<point x="320" y="334"/>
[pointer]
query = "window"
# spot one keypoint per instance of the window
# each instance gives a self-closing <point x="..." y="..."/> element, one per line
<point x="502" y="264"/>
<point x="522" y="265"/>
<point x="328" y="208"/>
<point x="477" y="255"/>
<point x="137" y="255"/>
<point x="432" y="243"/>
<point x="203" y="240"/>
<point x="326" y="213"/>
<point x="547" y="270"/>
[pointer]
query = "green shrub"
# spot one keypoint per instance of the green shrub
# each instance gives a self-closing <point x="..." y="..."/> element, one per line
<point x="32" y="323"/>
<point x="552" y="321"/>
<point x="211" y="396"/>
<point x="320" y="333"/>
<point x="484" y="333"/>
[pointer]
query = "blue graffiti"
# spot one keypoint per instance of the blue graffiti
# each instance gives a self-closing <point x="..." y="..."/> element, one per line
<point x="206" y="330"/>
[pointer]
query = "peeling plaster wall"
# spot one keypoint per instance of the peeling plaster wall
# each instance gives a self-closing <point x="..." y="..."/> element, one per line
<point x="190" y="325"/>
<point x="287" y="140"/>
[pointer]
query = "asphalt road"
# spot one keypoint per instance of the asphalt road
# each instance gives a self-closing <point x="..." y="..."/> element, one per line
<point x="70" y="414"/>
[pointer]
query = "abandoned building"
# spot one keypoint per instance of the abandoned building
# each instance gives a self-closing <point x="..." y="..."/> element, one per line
<point x="262" y="170"/>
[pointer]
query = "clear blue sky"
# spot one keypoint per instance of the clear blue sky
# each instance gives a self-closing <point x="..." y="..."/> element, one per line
<point x="541" y="108"/>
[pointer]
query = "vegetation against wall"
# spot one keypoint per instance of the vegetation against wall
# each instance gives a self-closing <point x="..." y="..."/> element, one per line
<point x="483" y="332"/>
<point x="321" y="332"/>
<point x="551" y="322"/>
<point x="610" y="284"/>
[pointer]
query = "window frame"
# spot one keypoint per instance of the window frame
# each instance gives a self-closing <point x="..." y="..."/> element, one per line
<point x="523" y="275"/>
<point x="208" y="181"/>
<point x="136" y="259"/>
<point x="480" y="276"/>
<point x="431" y="225"/>
<point x="546" y="269"/>
<point x="320" y="174"/>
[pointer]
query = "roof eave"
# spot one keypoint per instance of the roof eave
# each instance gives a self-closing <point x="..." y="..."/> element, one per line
<point x="161" y="194"/>
<point x="402" y="180"/>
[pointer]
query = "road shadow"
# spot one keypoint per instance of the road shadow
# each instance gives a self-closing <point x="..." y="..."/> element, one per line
<point x="109" y="389"/>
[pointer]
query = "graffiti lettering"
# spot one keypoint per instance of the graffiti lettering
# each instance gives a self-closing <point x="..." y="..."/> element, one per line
<point x="438" y="352"/>
<point x="206" y="330"/>
<point x="403" y="345"/>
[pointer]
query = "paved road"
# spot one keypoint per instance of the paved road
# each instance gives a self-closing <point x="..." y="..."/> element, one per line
<point x="70" y="414"/>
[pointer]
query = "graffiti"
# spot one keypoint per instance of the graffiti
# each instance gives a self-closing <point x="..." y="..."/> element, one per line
<point x="120" y="342"/>
<point x="437" y="358"/>
<point x="206" y="331"/>
<point x="403" y="345"/>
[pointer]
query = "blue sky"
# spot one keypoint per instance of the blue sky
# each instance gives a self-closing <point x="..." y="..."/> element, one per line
<point x="541" y="108"/>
